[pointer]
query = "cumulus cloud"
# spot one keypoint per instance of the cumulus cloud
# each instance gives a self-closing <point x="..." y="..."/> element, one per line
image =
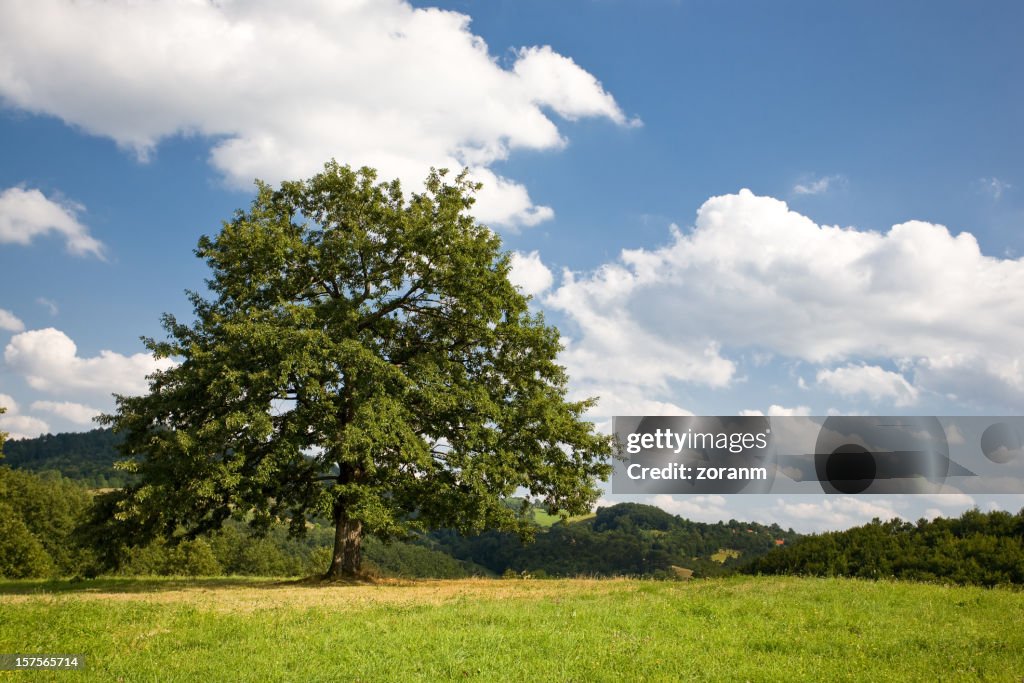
<point x="558" y="82"/>
<point x="16" y="425"/>
<point x="530" y="274"/>
<point x="48" y="360"/>
<point x="627" y="400"/>
<point x="870" y="380"/>
<point x="753" y="274"/>
<point x="832" y="513"/>
<point x="775" y="410"/>
<point x="958" y="500"/>
<point x="822" y="185"/>
<point x="700" y="508"/>
<point x="26" y="214"/>
<point x="10" y="322"/>
<point x="73" y="412"/>
<point x="281" y="88"/>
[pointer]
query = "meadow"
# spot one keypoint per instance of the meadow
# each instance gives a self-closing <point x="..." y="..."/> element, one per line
<point x="746" y="629"/>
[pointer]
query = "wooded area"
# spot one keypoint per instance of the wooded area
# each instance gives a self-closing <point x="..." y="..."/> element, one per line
<point x="43" y="533"/>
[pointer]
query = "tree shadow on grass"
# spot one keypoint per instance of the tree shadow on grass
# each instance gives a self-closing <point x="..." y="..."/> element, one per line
<point x="159" y="584"/>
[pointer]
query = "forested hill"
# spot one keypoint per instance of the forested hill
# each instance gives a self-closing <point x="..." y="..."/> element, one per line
<point x="976" y="548"/>
<point x="87" y="457"/>
<point x="628" y="538"/>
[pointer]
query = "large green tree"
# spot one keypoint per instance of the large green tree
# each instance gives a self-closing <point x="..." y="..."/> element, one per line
<point x="362" y="356"/>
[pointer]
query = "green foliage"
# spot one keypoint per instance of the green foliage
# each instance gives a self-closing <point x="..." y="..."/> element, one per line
<point x="233" y="551"/>
<point x="634" y="516"/>
<point x="188" y="558"/>
<point x="21" y="553"/>
<point x="365" y="358"/>
<point x="274" y="554"/>
<point x="48" y="509"/>
<point x="408" y="560"/>
<point x="86" y="457"/>
<point x="624" y="539"/>
<point x="977" y="548"/>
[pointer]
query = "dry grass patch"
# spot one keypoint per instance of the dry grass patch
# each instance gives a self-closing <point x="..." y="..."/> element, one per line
<point x="250" y="596"/>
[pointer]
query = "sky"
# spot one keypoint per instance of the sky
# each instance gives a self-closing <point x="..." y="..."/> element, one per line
<point x="725" y="207"/>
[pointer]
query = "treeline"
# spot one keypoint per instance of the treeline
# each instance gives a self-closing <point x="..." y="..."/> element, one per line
<point x="44" y="533"/>
<point x="977" y="548"/>
<point x="86" y="457"/>
<point x="625" y="539"/>
<point x="38" y="517"/>
<point x="45" y="504"/>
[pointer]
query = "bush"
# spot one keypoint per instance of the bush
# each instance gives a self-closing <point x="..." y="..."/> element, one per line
<point x="22" y="556"/>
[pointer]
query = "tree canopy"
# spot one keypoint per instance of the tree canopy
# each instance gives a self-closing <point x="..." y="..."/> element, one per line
<point x="360" y="356"/>
<point x="976" y="548"/>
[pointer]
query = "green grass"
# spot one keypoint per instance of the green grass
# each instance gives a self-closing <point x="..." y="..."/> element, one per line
<point x="724" y="554"/>
<point x="753" y="629"/>
<point x="545" y="519"/>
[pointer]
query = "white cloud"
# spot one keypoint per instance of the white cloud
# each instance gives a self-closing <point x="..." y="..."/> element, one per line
<point x="775" y="410"/>
<point x="49" y="304"/>
<point x="958" y="500"/>
<point x="870" y="380"/>
<point x="23" y="426"/>
<point x="619" y="355"/>
<point x="7" y="401"/>
<point x="283" y="87"/>
<point x="626" y="400"/>
<point x="73" y="412"/>
<point x="831" y="513"/>
<point x="700" y="508"/>
<point x="26" y="214"/>
<point x="558" y="82"/>
<point x="10" y="322"/>
<point x="529" y="273"/>
<point x="993" y="186"/>
<point x="49" y="361"/>
<point x="752" y="274"/>
<point x="16" y="425"/>
<point x="818" y="185"/>
<point x="955" y="436"/>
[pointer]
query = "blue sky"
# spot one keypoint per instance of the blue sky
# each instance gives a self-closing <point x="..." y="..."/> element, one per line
<point x="872" y="265"/>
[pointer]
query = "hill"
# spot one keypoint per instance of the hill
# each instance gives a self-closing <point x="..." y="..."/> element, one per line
<point x="86" y="457"/>
<point x="976" y="548"/>
<point x="624" y="539"/>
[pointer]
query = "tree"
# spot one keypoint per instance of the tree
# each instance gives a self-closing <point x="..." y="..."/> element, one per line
<point x="21" y="554"/>
<point x="362" y="357"/>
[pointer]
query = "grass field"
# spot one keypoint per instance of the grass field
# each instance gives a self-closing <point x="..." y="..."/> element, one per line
<point x="724" y="554"/>
<point x="748" y="629"/>
<point x="545" y="519"/>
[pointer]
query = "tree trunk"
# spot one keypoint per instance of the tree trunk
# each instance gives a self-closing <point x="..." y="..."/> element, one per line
<point x="348" y="547"/>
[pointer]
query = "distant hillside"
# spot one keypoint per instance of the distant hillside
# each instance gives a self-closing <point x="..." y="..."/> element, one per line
<point x="628" y="538"/>
<point x="87" y="457"/>
<point x="977" y="548"/>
